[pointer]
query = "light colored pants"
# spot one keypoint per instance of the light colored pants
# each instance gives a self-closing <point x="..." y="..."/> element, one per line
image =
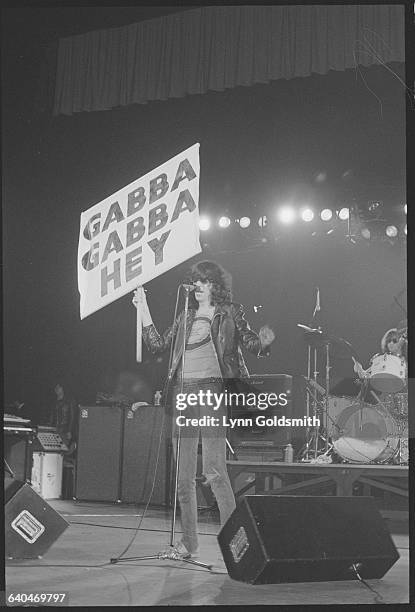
<point x="213" y="458"/>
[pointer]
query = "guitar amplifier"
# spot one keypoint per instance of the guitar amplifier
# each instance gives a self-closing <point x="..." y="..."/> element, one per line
<point x="146" y="458"/>
<point x="255" y="428"/>
<point x="99" y="453"/>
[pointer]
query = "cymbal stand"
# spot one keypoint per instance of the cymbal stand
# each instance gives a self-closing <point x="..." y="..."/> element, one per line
<point x="313" y="435"/>
<point x="308" y="402"/>
<point x="315" y="404"/>
<point x="326" y="399"/>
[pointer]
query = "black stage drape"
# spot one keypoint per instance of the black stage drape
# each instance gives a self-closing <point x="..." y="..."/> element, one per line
<point x="216" y="48"/>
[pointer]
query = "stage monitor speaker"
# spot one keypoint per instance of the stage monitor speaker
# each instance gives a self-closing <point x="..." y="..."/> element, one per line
<point x="31" y="525"/>
<point x="99" y="453"/>
<point x="275" y="538"/>
<point x="143" y="427"/>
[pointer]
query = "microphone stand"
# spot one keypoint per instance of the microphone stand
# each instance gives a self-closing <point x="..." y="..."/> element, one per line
<point x="171" y="555"/>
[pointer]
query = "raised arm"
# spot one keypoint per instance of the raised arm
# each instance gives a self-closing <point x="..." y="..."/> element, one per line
<point x="258" y="344"/>
<point x="155" y="342"/>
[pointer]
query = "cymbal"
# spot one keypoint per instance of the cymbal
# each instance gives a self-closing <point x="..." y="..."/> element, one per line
<point x="316" y="337"/>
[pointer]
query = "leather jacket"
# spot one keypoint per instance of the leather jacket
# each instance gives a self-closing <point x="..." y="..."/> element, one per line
<point x="230" y="331"/>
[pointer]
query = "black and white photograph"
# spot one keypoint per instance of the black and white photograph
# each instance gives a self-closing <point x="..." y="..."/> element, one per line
<point x="207" y="364"/>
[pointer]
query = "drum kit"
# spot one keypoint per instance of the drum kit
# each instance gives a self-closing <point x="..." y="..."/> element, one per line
<point x="352" y="430"/>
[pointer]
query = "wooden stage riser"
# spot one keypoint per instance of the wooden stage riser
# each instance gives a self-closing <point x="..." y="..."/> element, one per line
<point x="277" y="478"/>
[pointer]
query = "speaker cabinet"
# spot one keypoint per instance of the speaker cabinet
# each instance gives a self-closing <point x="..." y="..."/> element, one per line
<point x="31" y="525"/>
<point x="257" y="433"/>
<point x="99" y="453"/>
<point x="17" y="453"/>
<point x="273" y="539"/>
<point x="146" y="455"/>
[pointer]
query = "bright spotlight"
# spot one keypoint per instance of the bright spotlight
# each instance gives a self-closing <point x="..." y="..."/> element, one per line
<point x="307" y="215"/>
<point x="224" y="222"/>
<point x="405" y="230"/>
<point x="405" y="207"/>
<point x="326" y="214"/>
<point x="286" y="214"/>
<point x="366" y="233"/>
<point x="204" y="224"/>
<point x="262" y="221"/>
<point x="344" y="214"/>
<point x="391" y="231"/>
<point x="244" y="222"/>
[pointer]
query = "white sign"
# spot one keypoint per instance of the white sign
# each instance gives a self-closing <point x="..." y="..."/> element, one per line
<point x="139" y="232"/>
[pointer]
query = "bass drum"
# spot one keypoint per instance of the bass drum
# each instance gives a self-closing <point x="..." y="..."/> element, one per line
<point x="366" y="434"/>
<point x="336" y="406"/>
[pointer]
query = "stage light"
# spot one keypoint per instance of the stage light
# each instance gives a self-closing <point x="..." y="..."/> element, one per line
<point x="344" y="214"/>
<point x="405" y="207"/>
<point x="307" y="215"/>
<point x="391" y="231"/>
<point x="224" y="222"/>
<point x="326" y="214"/>
<point x="366" y="233"/>
<point x="244" y="222"/>
<point x="262" y="221"/>
<point x="405" y="230"/>
<point x="204" y="224"/>
<point x="286" y="214"/>
<point x="374" y="205"/>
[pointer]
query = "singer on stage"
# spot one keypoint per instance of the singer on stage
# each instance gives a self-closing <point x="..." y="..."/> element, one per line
<point x="216" y="330"/>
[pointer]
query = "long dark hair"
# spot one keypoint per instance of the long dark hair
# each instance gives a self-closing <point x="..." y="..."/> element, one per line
<point x="221" y="282"/>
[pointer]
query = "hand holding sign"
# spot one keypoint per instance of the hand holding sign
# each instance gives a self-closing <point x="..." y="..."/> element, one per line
<point x="140" y="302"/>
<point x="143" y="318"/>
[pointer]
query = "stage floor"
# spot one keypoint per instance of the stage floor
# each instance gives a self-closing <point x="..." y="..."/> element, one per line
<point x="79" y="563"/>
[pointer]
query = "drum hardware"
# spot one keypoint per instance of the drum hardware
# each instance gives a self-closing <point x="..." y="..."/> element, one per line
<point x="312" y="439"/>
<point x="318" y="339"/>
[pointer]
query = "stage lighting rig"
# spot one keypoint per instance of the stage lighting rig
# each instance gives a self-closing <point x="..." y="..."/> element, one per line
<point x="286" y="215"/>
<point x="326" y="214"/>
<point x="224" y="222"/>
<point x="204" y="224"/>
<point x="307" y="215"/>
<point x="244" y="222"/>
<point x="391" y="231"/>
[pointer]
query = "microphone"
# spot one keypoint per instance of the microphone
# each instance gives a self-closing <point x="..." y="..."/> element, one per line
<point x="188" y="287"/>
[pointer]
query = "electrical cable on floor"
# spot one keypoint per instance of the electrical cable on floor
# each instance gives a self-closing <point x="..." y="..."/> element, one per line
<point x="133" y="528"/>
<point x="379" y="598"/>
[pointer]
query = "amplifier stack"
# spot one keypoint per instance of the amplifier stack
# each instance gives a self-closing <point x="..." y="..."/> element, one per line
<point x="120" y="452"/>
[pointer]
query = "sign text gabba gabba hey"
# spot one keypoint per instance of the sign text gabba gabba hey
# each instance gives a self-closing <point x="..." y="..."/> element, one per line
<point x="141" y="231"/>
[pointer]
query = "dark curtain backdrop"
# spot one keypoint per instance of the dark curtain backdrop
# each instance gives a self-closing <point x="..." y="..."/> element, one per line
<point x="216" y="48"/>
